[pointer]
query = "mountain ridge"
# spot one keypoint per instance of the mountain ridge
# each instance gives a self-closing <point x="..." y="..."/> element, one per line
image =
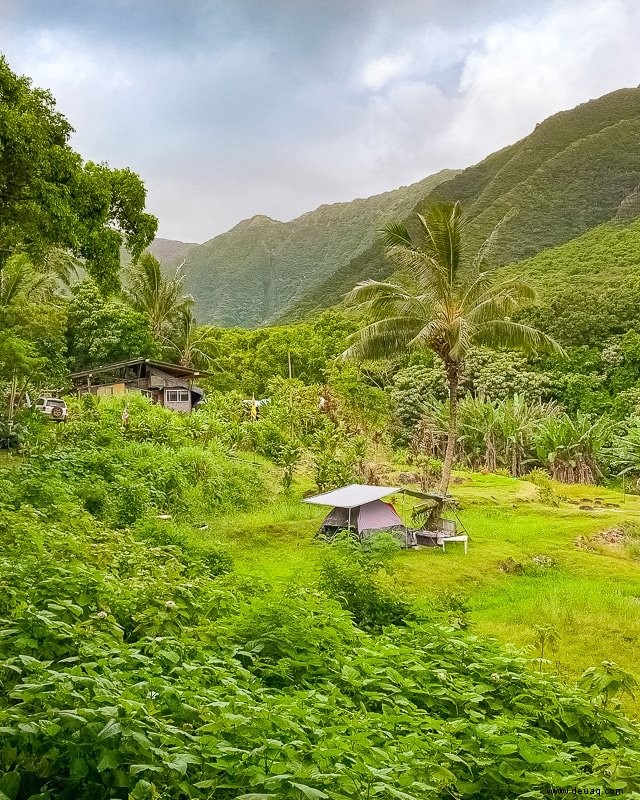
<point x="569" y="175"/>
<point x="577" y="169"/>
<point x="255" y="270"/>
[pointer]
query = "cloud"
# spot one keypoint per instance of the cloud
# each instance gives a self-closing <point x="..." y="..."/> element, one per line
<point x="232" y="109"/>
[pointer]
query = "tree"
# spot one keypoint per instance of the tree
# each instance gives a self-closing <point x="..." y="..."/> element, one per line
<point x="103" y="330"/>
<point x="50" y="198"/>
<point x="31" y="332"/>
<point x="191" y="344"/>
<point x="154" y="294"/>
<point x="449" y="304"/>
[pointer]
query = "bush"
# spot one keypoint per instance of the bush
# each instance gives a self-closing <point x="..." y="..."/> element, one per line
<point x="122" y="474"/>
<point x="212" y="555"/>
<point x="353" y="574"/>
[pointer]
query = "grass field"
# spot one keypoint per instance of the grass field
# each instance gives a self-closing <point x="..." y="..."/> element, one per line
<point x="591" y="597"/>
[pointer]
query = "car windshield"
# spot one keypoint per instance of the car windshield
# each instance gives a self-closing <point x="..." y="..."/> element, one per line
<point x="59" y="403"/>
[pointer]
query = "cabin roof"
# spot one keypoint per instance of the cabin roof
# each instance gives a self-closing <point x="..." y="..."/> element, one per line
<point x="171" y="369"/>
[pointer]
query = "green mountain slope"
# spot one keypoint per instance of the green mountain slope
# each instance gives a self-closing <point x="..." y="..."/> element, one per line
<point x="258" y="269"/>
<point x="169" y="252"/>
<point x="569" y="175"/>
<point x="589" y="287"/>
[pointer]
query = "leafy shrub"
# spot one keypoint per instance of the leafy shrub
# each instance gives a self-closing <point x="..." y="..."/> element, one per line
<point x="214" y="556"/>
<point x="353" y="574"/>
<point x="121" y="474"/>
<point x="546" y="491"/>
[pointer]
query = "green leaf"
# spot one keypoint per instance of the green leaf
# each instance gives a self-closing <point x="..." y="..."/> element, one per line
<point x="112" y="728"/>
<point x="397" y="793"/>
<point x="79" y="769"/>
<point x="254" y="796"/>
<point x="134" y="769"/>
<point x="309" y="791"/>
<point x="10" y="785"/>
<point x="143" y="790"/>
<point x="109" y="760"/>
<point x="534" y="755"/>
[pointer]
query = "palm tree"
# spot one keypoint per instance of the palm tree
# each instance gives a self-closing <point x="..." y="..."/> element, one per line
<point x="456" y="303"/>
<point x="19" y="281"/>
<point x="154" y="294"/>
<point x="190" y="343"/>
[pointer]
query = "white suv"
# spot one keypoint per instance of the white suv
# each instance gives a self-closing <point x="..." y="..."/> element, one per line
<point x="53" y="407"/>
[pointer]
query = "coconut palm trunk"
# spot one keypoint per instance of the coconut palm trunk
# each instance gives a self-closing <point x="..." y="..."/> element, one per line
<point x="453" y="381"/>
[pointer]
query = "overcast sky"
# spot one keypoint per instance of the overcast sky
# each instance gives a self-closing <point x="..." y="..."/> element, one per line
<point x="238" y="107"/>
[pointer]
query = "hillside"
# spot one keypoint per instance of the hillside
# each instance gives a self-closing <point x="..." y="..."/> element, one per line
<point x="259" y="268"/>
<point x="589" y="286"/>
<point x="169" y="252"/>
<point x="569" y="175"/>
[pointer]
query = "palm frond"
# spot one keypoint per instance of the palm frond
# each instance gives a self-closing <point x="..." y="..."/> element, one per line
<point x="383" y="338"/>
<point x="396" y="235"/>
<point x="427" y="334"/>
<point x="380" y="300"/>
<point x="160" y="297"/>
<point x="505" y="333"/>
<point x="441" y="228"/>
<point x="20" y="280"/>
<point x="486" y="248"/>
<point x="482" y="282"/>
<point x="501" y="300"/>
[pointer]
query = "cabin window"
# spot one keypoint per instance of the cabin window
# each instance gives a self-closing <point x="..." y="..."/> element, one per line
<point x="176" y="396"/>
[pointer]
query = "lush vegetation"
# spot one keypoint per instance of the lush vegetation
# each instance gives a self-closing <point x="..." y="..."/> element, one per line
<point x="169" y="625"/>
<point x="135" y="664"/>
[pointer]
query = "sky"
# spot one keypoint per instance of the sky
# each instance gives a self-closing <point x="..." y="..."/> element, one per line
<point x="232" y="108"/>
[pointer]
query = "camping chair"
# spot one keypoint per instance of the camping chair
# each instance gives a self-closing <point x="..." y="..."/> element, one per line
<point x="437" y="530"/>
<point x="448" y="532"/>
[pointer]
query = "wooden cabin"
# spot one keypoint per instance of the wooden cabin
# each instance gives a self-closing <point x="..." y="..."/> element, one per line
<point x="169" y="385"/>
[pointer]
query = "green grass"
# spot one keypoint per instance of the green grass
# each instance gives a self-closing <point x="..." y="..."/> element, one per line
<point x="592" y="598"/>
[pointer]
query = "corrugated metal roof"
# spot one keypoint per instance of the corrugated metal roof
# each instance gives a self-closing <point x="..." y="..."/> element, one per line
<point x="352" y="496"/>
<point x="174" y="369"/>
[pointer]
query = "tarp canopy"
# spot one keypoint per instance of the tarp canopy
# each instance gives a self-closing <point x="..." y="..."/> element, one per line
<point x="352" y="496"/>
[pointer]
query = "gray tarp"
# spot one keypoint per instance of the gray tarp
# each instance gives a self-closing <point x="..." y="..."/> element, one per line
<point x="353" y="496"/>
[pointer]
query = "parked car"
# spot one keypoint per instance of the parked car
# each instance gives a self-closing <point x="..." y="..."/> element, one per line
<point x="53" y="407"/>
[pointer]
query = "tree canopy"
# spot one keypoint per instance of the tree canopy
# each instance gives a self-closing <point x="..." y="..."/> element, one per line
<point x="50" y="197"/>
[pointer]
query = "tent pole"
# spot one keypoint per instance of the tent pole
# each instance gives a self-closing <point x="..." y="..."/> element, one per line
<point x="404" y="520"/>
<point x="349" y="522"/>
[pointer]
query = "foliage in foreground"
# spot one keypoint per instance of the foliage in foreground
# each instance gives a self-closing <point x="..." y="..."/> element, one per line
<point x="160" y="462"/>
<point x="127" y="670"/>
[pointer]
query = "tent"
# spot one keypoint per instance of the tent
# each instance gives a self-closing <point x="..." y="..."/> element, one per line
<point x="359" y="508"/>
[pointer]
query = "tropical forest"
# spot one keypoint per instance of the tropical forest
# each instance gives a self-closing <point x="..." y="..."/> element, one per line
<point x="177" y="623"/>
